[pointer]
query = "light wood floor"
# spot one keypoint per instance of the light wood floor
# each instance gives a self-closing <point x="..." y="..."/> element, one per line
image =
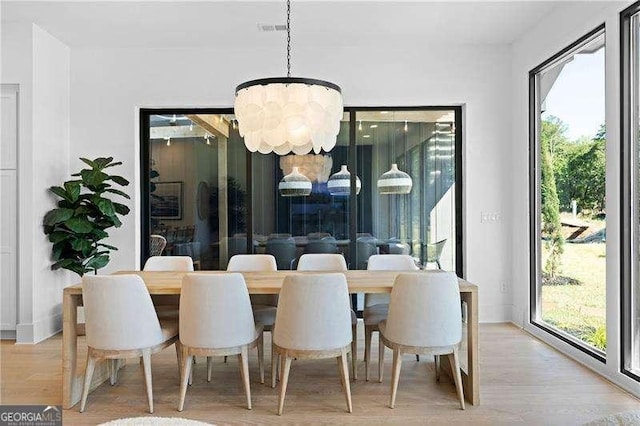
<point x="522" y="381"/>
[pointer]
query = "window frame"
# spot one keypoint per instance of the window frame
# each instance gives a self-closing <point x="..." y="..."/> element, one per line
<point x="534" y="196"/>
<point x="630" y="209"/>
<point x="144" y="116"/>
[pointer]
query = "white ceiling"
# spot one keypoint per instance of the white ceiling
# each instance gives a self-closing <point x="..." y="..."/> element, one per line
<point x="234" y="24"/>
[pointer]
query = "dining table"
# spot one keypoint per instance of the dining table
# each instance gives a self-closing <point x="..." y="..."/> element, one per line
<point x="166" y="285"/>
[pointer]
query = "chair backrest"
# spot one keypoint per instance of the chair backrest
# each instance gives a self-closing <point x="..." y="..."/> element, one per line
<point x="252" y="262"/>
<point x="434" y="250"/>
<point x="365" y="248"/>
<point x="324" y="245"/>
<point x="313" y="313"/>
<point x="387" y="262"/>
<point x="322" y="262"/>
<point x="318" y="235"/>
<point x="215" y="311"/>
<point x="169" y="263"/>
<point x="425" y="310"/>
<point x="283" y="249"/>
<point x="157" y="243"/>
<point x="255" y="262"/>
<point x="119" y="313"/>
<point x="398" y="247"/>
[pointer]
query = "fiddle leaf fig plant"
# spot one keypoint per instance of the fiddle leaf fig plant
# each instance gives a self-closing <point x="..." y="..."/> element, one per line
<point x="84" y="212"/>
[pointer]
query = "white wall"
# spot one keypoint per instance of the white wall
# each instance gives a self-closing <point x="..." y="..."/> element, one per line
<point x="109" y="85"/>
<point x="40" y="64"/>
<point x="565" y="25"/>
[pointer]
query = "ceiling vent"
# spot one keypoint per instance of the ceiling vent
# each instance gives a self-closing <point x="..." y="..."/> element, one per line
<point x="271" y="27"/>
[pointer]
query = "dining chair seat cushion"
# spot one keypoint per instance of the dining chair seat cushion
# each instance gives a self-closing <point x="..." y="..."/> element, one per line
<point x="372" y="315"/>
<point x="265" y="315"/>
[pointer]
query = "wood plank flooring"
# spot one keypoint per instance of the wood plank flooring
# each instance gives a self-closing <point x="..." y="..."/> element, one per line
<point x="523" y="381"/>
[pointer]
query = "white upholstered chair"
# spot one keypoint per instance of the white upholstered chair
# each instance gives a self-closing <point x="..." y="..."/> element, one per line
<point x="169" y="263"/>
<point x="424" y="318"/>
<point x="329" y="262"/>
<point x="313" y="322"/>
<point x="122" y="323"/>
<point x="216" y="320"/>
<point x="264" y="305"/>
<point x="377" y="305"/>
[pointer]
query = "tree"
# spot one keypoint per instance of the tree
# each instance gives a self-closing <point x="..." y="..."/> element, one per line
<point x="551" y="136"/>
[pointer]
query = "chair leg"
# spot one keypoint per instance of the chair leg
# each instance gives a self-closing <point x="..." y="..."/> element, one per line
<point x="209" y="368"/>
<point x="146" y="364"/>
<point x="274" y="366"/>
<point x="417" y="358"/>
<point x="354" y="350"/>
<point x="380" y="357"/>
<point x="457" y="378"/>
<point x="395" y="376"/>
<point x="244" y="369"/>
<point x="261" y="357"/>
<point x="88" y="375"/>
<point x="437" y="362"/>
<point x="345" y="380"/>
<point x="113" y="371"/>
<point x="286" y="361"/>
<point x="179" y="356"/>
<point x="186" y="372"/>
<point x="368" y="334"/>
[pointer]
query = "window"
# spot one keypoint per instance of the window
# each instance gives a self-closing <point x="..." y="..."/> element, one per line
<point x="567" y="124"/>
<point x="630" y="112"/>
<point x="211" y="198"/>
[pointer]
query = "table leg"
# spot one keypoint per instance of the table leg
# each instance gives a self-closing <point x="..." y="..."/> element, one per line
<point x="471" y="379"/>
<point x="70" y="396"/>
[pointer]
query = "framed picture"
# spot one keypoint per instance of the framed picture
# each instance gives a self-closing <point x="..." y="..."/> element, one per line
<point x="166" y="201"/>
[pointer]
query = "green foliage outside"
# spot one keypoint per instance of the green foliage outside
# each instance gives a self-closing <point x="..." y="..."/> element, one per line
<point x="573" y="170"/>
<point x="551" y="226"/>
<point x="82" y="216"/>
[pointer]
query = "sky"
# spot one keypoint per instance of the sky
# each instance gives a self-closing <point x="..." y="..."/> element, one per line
<point x="577" y="97"/>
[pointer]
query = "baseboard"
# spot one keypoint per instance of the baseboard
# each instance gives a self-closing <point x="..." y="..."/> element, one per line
<point x="31" y="333"/>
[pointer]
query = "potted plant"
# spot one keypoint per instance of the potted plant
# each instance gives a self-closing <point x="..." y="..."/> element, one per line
<point x="84" y="212"/>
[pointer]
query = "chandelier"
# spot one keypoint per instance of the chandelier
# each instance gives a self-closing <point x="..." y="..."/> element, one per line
<point x="288" y="114"/>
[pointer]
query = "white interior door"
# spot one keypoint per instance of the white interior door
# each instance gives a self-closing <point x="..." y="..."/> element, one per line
<point x="9" y="207"/>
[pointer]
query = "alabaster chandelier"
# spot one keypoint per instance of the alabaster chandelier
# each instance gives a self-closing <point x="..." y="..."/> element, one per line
<point x="288" y="114"/>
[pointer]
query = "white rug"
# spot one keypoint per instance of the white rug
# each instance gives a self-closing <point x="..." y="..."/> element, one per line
<point x="155" y="421"/>
<point x="618" y="419"/>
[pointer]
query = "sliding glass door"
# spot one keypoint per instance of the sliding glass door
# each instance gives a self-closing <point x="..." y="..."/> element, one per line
<point x="210" y="198"/>
<point x="568" y="229"/>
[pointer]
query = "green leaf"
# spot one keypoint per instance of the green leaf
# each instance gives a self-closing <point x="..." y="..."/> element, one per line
<point x="88" y="162"/>
<point x="108" y="246"/>
<point x="116" y="222"/>
<point x="99" y="234"/>
<point x="117" y="191"/>
<point x="60" y="192"/>
<point x="97" y="262"/>
<point x="93" y="177"/>
<point x="117" y="163"/>
<point x="79" y="224"/>
<point x="106" y="206"/>
<point x="57" y="236"/>
<point x="81" y="244"/>
<point x="56" y="216"/>
<point x="82" y="210"/>
<point x="121" y="209"/>
<point x="103" y="162"/>
<point x="78" y="269"/>
<point x="73" y="190"/>
<point x="119" y="180"/>
<point x="64" y="263"/>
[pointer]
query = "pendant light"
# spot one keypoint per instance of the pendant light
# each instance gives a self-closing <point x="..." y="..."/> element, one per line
<point x="295" y="184"/>
<point x="339" y="184"/>
<point x="395" y="181"/>
<point x="288" y="114"/>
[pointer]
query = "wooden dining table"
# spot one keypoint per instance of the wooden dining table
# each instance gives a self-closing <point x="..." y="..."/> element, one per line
<point x="163" y="285"/>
